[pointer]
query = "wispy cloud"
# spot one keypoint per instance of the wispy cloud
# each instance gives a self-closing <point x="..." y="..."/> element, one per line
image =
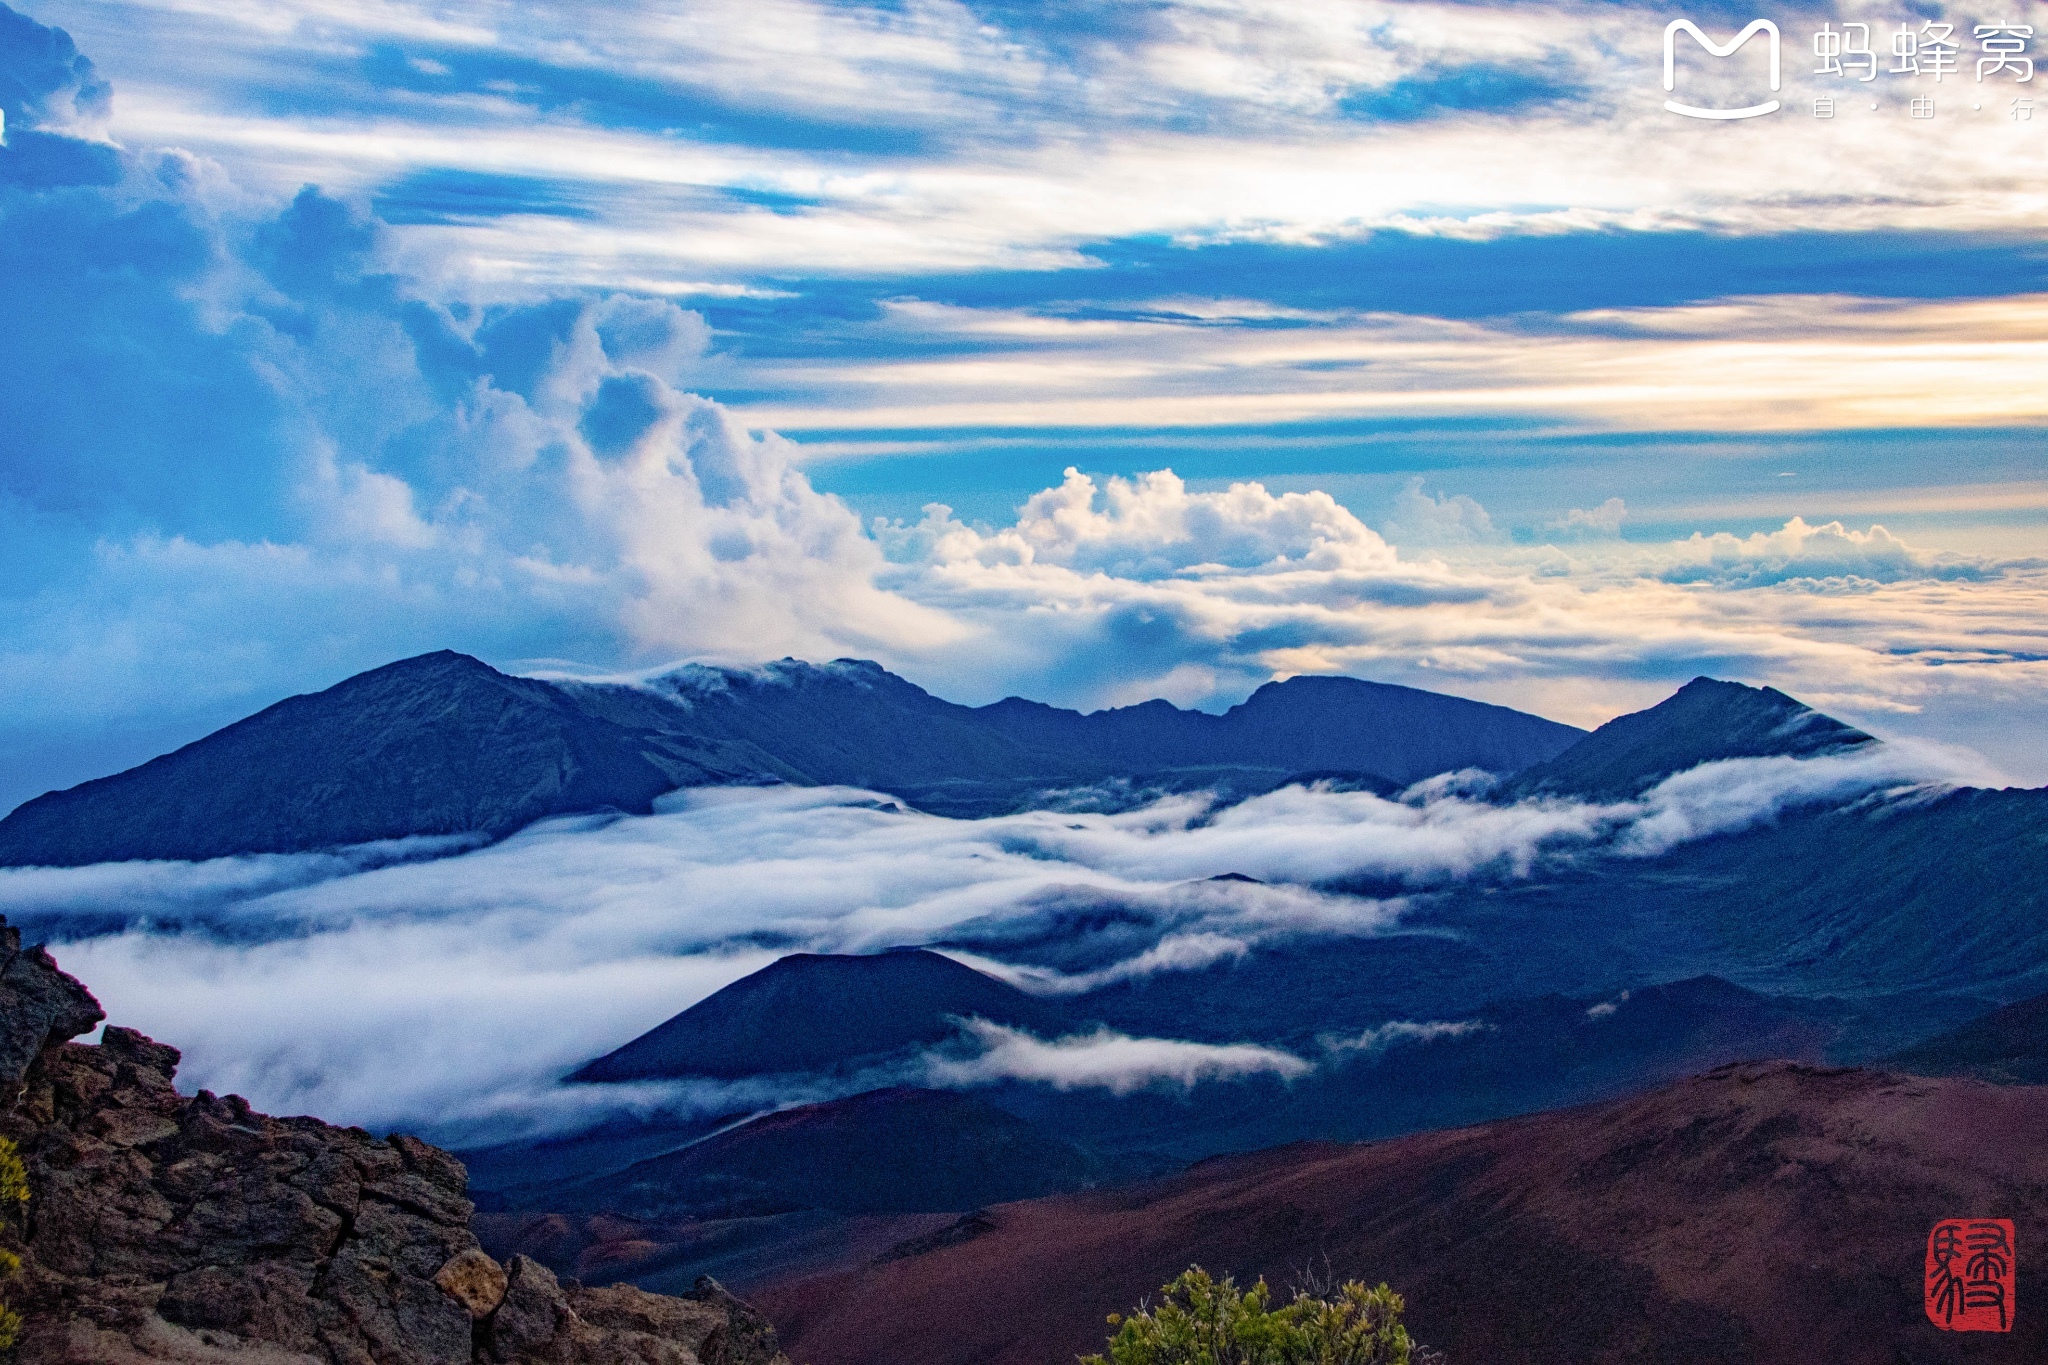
<point x="1108" y="1060"/>
<point x="1376" y="1040"/>
<point x="1796" y="361"/>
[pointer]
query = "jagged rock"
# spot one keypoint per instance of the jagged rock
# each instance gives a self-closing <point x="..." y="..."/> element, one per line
<point x="180" y="1230"/>
<point x="39" y="1006"/>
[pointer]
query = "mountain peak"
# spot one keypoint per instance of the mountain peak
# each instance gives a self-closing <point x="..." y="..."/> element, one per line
<point x="1706" y="720"/>
<point x="820" y="1011"/>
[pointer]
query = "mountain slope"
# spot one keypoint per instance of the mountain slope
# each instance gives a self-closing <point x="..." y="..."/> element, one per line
<point x="819" y="1011"/>
<point x="894" y="1150"/>
<point x="440" y="744"/>
<point x="1703" y="721"/>
<point x="1761" y="1212"/>
<point x="443" y="744"/>
<point x="2008" y="1046"/>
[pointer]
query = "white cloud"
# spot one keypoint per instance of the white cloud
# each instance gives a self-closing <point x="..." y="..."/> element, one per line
<point x="1423" y="520"/>
<point x="1151" y="527"/>
<point x="1176" y="952"/>
<point x="1108" y="1060"/>
<point x="1736" y="793"/>
<point x="1801" y="361"/>
<point x="1604" y="520"/>
<point x="1192" y="121"/>
<point x="1799" y="551"/>
<point x="1376" y="1040"/>
<point x="453" y="993"/>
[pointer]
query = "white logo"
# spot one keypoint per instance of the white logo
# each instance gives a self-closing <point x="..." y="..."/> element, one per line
<point x="1671" y="32"/>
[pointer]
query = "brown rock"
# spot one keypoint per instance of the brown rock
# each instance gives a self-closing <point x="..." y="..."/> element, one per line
<point x="474" y="1280"/>
<point x="196" y="1231"/>
<point x="534" y="1312"/>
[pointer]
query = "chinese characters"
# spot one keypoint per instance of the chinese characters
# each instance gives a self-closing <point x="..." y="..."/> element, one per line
<point x="1932" y="49"/>
<point x="1970" y="1275"/>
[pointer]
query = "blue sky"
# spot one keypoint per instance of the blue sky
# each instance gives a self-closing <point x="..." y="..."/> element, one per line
<point x="594" y="338"/>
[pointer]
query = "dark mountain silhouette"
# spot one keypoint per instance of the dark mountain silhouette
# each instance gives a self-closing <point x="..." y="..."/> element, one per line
<point x="812" y="1012"/>
<point x="2008" y="1046"/>
<point x="1760" y="1212"/>
<point x="1703" y="721"/>
<point x="443" y="744"/>
<point x="892" y="1150"/>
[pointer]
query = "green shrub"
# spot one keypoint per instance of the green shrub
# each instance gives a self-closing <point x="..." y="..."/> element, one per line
<point x="13" y="1194"/>
<point x="1201" y="1320"/>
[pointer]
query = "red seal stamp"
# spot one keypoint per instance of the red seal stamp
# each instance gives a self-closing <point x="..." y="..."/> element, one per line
<point x="1970" y="1271"/>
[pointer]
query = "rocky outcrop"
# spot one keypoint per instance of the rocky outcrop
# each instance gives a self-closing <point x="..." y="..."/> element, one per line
<point x="170" y="1228"/>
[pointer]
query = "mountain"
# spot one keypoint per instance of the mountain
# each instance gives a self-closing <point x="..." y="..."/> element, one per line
<point x="437" y="745"/>
<point x="894" y="1150"/>
<point x="811" y="1012"/>
<point x="445" y="745"/>
<point x="174" y="1228"/>
<point x="658" y="1204"/>
<point x="1759" y="1212"/>
<point x="1703" y="721"/>
<point x="2008" y="1046"/>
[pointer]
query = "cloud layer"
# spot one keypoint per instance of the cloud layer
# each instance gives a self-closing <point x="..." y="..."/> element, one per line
<point x="453" y="993"/>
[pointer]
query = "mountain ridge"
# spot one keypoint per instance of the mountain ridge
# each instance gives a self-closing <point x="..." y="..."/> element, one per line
<point x="1705" y="721"/>
<point x="443" y="744"/>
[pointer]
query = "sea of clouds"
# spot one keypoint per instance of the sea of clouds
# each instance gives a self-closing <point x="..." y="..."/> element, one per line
<point x="420" y="985"/>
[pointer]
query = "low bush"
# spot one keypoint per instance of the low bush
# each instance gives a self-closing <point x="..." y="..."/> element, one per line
<point x="1201" y="1320"/>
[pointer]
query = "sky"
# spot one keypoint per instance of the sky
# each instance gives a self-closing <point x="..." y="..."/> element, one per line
<point x="1088" y="352"/>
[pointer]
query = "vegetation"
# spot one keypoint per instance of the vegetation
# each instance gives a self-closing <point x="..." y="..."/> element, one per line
<point x="1205" y="1321"/>
<point x="13" y="1194"/>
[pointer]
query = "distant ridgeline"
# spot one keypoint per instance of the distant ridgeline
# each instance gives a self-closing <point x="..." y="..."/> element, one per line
<point x="446" y="745"/>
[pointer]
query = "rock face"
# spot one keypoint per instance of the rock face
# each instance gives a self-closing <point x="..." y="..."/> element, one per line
<point x="190" y="1229"/>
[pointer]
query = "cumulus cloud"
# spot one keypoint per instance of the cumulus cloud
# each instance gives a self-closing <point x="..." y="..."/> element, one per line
<point x="1425" y="520"/>
<point x="1604" y="520"/>
<point x="1110" y="1061"/>
<point x="1797" y="551"/>
<point x="1152" y="527"/>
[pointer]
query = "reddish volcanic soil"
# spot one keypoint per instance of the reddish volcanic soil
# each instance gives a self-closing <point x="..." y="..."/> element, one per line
<point x="1761" y="1213"/>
